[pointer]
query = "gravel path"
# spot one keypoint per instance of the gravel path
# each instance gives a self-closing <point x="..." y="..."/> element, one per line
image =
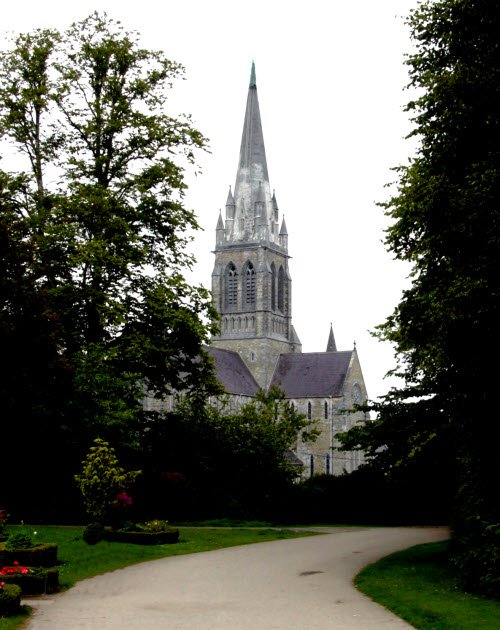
<point x="303" y="583"/>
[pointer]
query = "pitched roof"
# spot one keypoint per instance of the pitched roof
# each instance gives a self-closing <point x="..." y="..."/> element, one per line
<point x="232" y="373"/>
<point x="312" y="374"/>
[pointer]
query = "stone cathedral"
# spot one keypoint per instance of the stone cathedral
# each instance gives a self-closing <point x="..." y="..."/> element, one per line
<point x="252" y="290"/>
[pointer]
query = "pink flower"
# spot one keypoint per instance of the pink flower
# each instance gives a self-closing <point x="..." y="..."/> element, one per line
<point x="24" y="570"/>
<point x="15" y="563"/>
<point x="123" y="499"/>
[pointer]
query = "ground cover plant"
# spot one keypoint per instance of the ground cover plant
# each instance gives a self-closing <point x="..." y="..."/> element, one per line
<point x="418" y="585"/>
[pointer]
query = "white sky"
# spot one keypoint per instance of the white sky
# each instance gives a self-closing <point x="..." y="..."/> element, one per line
<point x="330" y="78"/>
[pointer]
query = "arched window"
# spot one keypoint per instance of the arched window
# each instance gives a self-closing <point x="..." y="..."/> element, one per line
<point x="326" y="410"/>
<point x="249" y="284"/>
<point x="273" y="287"/>
<point x="231" y="278"/>
<point x="356" y="394"/>
<point x="281" y="289"/>
<point x="309" y="411"/>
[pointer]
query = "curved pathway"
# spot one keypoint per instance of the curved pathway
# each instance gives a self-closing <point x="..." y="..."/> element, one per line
<point x="302" y="583"/>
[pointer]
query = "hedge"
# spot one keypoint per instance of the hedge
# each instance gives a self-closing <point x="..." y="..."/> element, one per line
<point x="37" y="582"/>
<point x="42" y="555"/>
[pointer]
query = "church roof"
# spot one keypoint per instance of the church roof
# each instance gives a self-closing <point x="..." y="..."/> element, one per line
<point x="312" y="374"/>
<point x="232" y="373"/>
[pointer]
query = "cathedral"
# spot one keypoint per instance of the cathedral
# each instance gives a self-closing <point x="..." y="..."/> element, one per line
<point x="257" y="345"/>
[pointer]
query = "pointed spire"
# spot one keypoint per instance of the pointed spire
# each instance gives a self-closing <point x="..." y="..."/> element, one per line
<point x="220" y="223"/>
<point x="252" y="179"/>
<point x="283" y="230"/>
<point x="220" y="232"/>
<point x="230" y="198"/>
<point x="274" y="204"/>
<point x="331" y="346"/>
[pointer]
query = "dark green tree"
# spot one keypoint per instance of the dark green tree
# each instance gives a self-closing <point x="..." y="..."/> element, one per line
<point x="446" y="224"/>
<point x="97" y="232"/>
<point x="230" y="463"/>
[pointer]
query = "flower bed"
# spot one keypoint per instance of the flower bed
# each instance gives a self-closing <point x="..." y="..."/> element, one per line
<point x="10" y="599"/>
<point x="31" y="580"/>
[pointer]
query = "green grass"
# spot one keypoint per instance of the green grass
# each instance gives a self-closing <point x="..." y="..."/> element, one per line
<point x="417" y="585"/>
<point x="78" y="561"/>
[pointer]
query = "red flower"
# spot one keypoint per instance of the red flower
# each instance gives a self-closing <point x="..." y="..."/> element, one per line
<point x="15" y="563"/>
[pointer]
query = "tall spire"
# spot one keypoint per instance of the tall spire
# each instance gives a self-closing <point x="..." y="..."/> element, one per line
<point x="252" y="180"/>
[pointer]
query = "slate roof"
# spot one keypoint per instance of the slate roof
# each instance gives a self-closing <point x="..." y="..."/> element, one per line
<point x="312" y="374"/>
<point x="232" y="373"/>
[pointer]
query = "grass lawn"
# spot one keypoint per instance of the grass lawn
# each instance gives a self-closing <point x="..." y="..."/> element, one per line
<point x="78" y="561"/>
<point x="417" y="585"/>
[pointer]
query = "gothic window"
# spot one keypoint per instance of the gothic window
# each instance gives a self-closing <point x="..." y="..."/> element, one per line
<point x="273" y="287"/>
<point x="327" y="463"/>
<point x="309" y="411"/>
<point x="281" y="289"/>
<point x="250" y="285"/>
<point x="326" y="410"/>
<point x="357" y="396"/>
<point x="231" y="279"/>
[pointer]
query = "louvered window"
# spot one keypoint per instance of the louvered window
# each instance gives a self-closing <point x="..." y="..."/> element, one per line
<point x="250" y="284"/>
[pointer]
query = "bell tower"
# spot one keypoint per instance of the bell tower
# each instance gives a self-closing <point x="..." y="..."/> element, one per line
<point x="251" y="284"/>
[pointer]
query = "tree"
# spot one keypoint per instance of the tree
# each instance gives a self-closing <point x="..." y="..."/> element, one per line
<point x="102" y="232"/>
<point x="446" y="224"/>
<point x="230" y="463"/>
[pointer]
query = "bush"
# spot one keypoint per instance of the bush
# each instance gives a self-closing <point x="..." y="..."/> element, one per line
<point x="42" y="555"/>
<point x="4" y="517"/>
<point x="475" y="556"/>
<point x="19" y="541"/>
<point x="93" y="533"/>
<point x="37" y="581"/>
<point x="10" y="599"/>
<point x="102" y="481"/>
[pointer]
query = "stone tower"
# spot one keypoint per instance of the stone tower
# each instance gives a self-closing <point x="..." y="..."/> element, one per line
<point x="251" y="284"/>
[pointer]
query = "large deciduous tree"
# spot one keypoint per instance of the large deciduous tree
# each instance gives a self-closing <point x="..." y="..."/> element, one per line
<point x="95" y="300"/>
<point x="446" y="224"/>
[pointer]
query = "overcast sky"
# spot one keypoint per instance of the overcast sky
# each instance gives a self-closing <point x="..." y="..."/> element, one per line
<point x="330" y="79"/>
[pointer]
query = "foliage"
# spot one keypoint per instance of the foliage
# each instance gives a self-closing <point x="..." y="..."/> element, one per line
<point x="445" y="223"/>
<point x="208" y="461"/>
<point x="93" y="533"/>
<point x="4" y="517"/>
<point x="101" y="480"/>
<point x="40" y="555"/>
<point x="93" y="243"/>
<point x="10" y="599"/>
<point x="32" y="580"/>
<point x="19" y="541"/>
<point x="418" y="585"/>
